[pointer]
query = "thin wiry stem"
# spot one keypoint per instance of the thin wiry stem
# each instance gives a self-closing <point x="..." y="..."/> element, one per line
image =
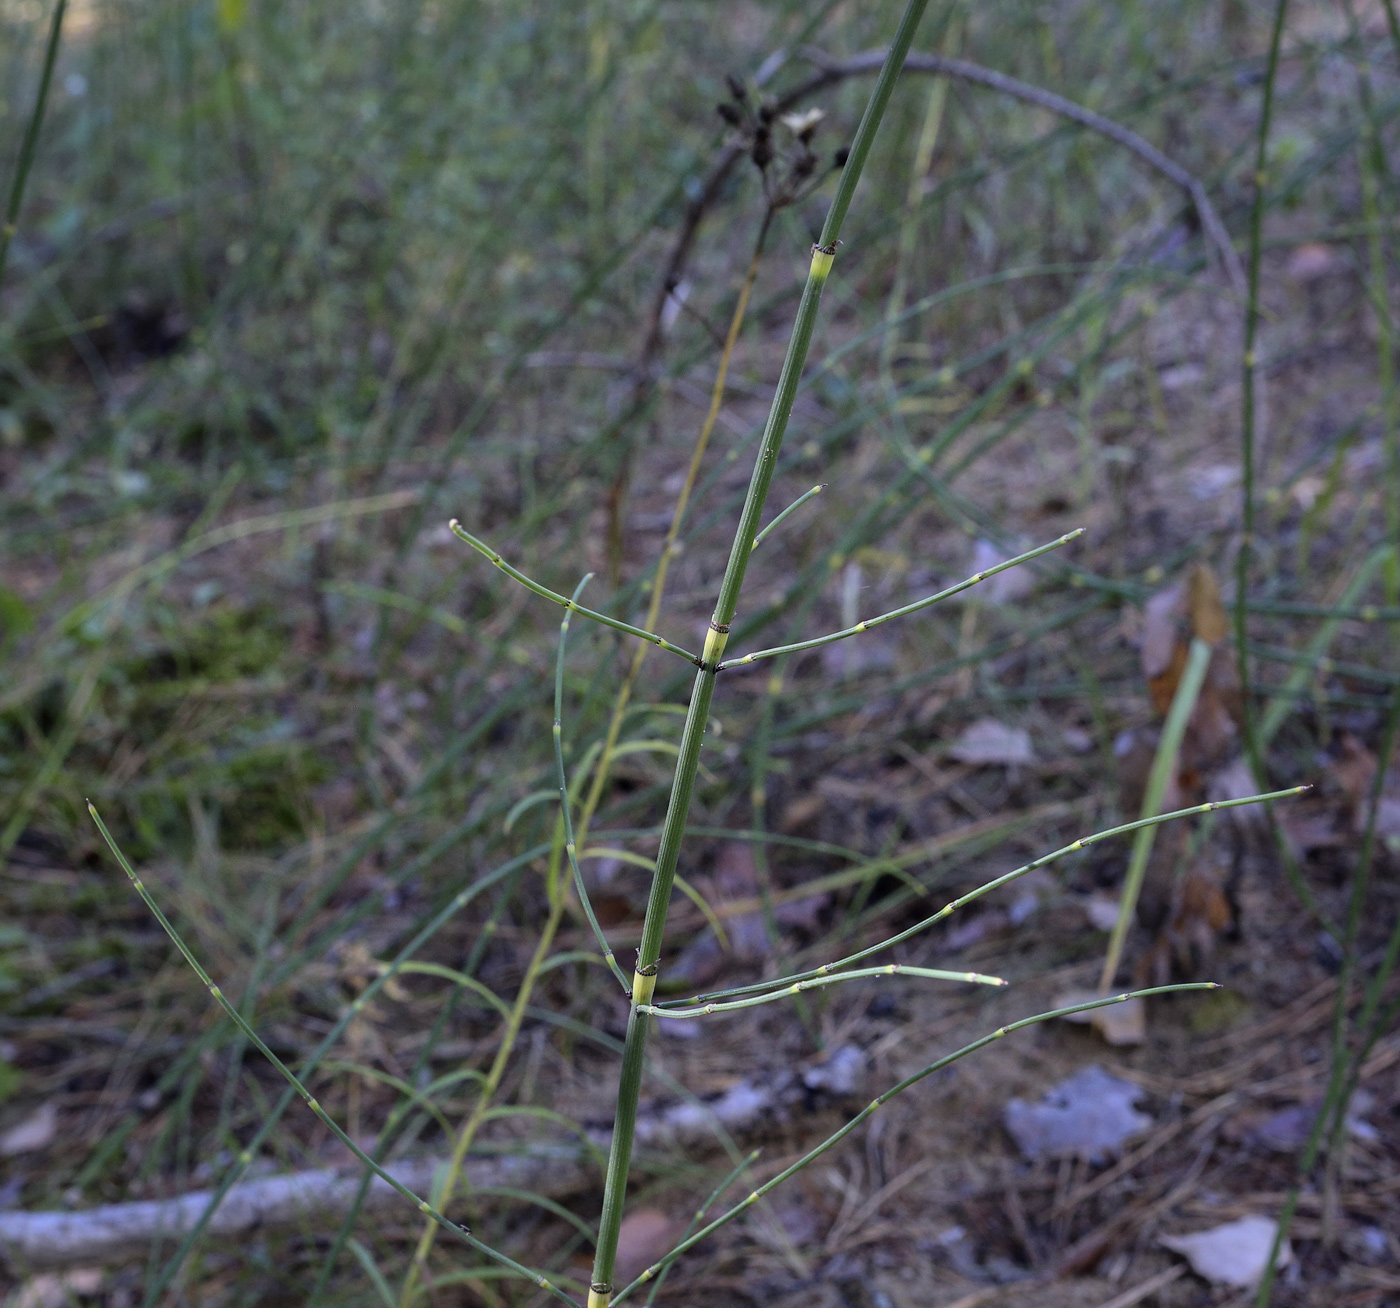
<point x="814" y="983"/>
<point x="697" y="718"/>
<point x="879" y="1102"/>
<point x="31" y="137"/>
<point x="907" y="609"/>
<point x="791" y="508"/>
<point x="295" y="1082"/>
<point x="270" y="1119"/>
<point x="544" y="592"/>
<point x="564" y="807"/>
<point x="1082" y="843"/>
<point x="481" y="1110"/>
<point x="743" y="1164"/>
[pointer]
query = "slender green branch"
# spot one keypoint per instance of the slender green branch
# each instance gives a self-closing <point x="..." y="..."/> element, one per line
<point x="545" y="593"/>
<point x="1082" y="843"/>
<point x="697" y="717"/>
<point x="791" y="508"/>
<point x="879" y="1102"/>
<point x="814" y="983"/>
<point x="904" y="612"/>
<point x="231" y="1011"/>
<point x="570" y="848"/>
<point x="699" y="1215"/>
<point x="31" y="137"/>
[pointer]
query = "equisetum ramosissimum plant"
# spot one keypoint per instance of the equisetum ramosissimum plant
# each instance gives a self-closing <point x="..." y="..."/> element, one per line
<point x="640" y="987"/>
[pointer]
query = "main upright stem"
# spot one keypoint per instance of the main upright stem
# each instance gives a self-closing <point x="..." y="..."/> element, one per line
<point x="688" y="762"/>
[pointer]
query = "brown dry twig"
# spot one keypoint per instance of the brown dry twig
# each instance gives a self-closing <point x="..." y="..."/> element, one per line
<point x="832" y="71"/>
<point x="945" y="66"/>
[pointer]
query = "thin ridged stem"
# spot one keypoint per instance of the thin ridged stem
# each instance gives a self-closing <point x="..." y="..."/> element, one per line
<point x="296" y="1084"/>
<point x="1254" y="747"/>
<point x="814" y="983"/>
<point x="31" y="137"/>
<point x="904" y="612"/>
<point x="545" y="593"/>
<point x="653" y="929"/>
<point x="1371" y="165"/>
<point x="880" y="1101"/>
<point x="791" y="509"/>
<point x="704" y="1208"/>
<point x="1045" y="859"/>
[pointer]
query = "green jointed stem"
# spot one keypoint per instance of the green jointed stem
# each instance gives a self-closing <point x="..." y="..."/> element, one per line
<point x="31" y="137"/>
<point x="299" y="1088"/>
<point x="906" y="610"/>
<point x="1082" y="843"/>
<point x="544" y="592"/>
<point x="881" y="1100"/>
<point x="889" y="969"/>
<point x="687" y="764"/>
<point x="791" y="508"/>
<point x="699" y="1216"/>
<point x="570" y="848"/>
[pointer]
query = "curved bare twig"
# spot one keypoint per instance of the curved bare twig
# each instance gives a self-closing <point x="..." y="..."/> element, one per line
<point x="964" y="70"/>
<point x="832" y="70"/>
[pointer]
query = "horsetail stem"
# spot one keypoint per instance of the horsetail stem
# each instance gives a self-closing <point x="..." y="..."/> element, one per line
<point x="687" y="764"/>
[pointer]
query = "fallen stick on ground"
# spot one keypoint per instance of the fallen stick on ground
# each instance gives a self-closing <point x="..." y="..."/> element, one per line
<point x="87" y="1237"/>
<point x="34" y="1241"/>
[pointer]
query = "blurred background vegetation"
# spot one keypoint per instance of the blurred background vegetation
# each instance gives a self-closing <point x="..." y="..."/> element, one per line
<point x="293" y="284"/>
